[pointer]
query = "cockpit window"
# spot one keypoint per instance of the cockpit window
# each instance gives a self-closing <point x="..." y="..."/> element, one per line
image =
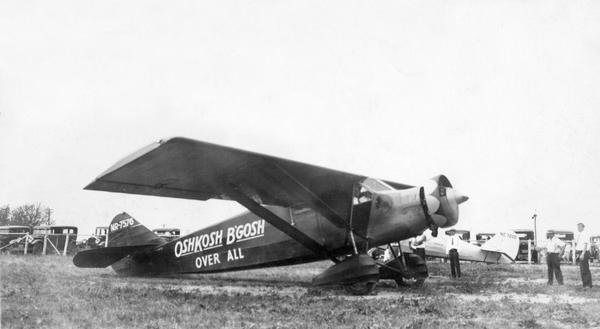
<point x="375" y="185"/>
<point x="369" y="186"/>
<point x="363" y="195"/>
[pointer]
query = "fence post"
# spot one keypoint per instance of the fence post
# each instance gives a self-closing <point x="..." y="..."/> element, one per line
<point x="529" y="251"/>
<point x="66" y="244"/>
<point x="26" y="245"/>
<point x="45" y="243"/>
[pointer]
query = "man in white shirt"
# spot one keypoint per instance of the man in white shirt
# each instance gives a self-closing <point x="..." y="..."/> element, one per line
<point x="452" y="251"/>
<point x="582" y="252"/>
<point x="554" y="248"/>
<point x="416" y="243"/>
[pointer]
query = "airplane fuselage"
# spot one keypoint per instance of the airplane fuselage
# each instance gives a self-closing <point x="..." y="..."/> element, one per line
<point x="248" y="241"/>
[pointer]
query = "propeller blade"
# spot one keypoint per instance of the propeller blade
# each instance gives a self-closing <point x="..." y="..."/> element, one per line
<point x="432" y="225"/>
<point x="449" y="199"/>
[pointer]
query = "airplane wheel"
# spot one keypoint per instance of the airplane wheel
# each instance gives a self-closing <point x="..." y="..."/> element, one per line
<point x="360" y="288"/>
<point x="419" y="283"/>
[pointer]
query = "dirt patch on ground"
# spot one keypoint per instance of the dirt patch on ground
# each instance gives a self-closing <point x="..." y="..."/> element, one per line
<point x="227" y="290"/>
<point x="387" y="291"/>
<point x="524" y="280"/>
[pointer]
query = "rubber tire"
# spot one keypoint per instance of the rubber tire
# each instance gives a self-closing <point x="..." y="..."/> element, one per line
<point x="360" y="288"/>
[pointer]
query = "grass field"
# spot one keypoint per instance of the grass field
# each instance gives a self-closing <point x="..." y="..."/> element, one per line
<point x="50" y="292"/>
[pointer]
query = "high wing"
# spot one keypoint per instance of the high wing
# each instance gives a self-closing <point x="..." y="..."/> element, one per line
<point x="190" y="169"/>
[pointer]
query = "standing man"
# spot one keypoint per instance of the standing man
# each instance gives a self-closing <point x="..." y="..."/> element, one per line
<point x="582" y="254"/>
<point x="416" y="244"/>
<point x="554" y="249"/>
<point x="452" y="251"/>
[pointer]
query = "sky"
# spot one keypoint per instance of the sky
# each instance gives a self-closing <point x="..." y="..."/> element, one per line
<point x="500" y="96"/>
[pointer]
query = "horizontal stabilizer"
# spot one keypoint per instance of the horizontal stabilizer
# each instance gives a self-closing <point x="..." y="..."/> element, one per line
<point x="103" y="257"/>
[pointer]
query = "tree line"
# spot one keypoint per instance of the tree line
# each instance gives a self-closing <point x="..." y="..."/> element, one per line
<point x="31" y="215"/>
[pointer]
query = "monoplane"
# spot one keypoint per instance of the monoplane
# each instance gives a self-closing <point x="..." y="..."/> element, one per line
<point x="298" y="213"/>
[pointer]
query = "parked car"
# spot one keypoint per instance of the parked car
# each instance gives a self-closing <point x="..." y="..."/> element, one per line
<point x="481" y="238"/>
<point x="167" y="233"/>
<point x="56" y="238"/>
<point x="524" y="237"/>
<point x="10" y="238"/>
<point x="98" y="239"/>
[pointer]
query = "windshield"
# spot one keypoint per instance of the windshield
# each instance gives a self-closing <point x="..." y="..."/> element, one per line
<point x="366" y="189"/>
<point x="375" y="185"/>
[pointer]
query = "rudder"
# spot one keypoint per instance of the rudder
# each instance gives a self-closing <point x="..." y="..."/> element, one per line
<point x="125" y="236"/>
<point x="126" y="231"/>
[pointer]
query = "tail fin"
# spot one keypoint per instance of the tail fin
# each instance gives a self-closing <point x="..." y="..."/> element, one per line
<point x="126" y="231"/>
<point x="125" y="236"/>
<point x="506" y="243"/>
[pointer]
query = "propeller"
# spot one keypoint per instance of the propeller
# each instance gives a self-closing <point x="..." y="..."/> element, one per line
<point x="449" y="199"/>
<point x="432" y="225"/>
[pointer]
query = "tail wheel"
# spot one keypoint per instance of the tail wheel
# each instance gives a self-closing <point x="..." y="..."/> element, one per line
<point x="360" y="288"/>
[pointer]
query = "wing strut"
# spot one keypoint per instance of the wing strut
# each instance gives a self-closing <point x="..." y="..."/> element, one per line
<point x="278" y="222"/>
<point x="318" y="204"/>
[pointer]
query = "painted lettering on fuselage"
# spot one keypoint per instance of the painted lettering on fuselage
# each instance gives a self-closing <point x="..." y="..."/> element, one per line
<point x="245" y="232"/>
<point x="234" y="254"/>
<point x="215" y="239"/>
<point x="199" y="243"/>
<point x="213" y="259"/>
<point x="207" y="260"/>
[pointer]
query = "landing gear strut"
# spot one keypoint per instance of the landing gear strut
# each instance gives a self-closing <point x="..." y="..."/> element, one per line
<point x="404" y="266"/>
